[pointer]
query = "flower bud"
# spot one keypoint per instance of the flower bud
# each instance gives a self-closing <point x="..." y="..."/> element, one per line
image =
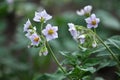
<point x="43" y="51"/>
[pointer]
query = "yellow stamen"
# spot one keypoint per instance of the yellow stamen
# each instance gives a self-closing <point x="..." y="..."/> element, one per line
<point x="94" y="22"/>
<point x="50" y="32"/>
<point x="36" y="39"/>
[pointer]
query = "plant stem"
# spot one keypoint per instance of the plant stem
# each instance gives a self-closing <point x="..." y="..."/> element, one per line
<point x="41" y="27"/>
<point x="94" y="30"/>
<point x="110" y="51"/>
<point x="54" y="57"/>
<point x="52" y="51"/>
<point x="58" y="63"/>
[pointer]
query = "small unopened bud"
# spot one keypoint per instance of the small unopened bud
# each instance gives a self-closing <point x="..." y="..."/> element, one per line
<point x="43" y="51"/>
<point x="94" y="44"/>
<point x="86" y="11"/>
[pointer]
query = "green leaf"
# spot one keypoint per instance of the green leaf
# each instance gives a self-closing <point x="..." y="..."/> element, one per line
<point x="55" y="76"/>
<point x="114" y="41"/>
<point x="103" y="54"/>
<point x="86" y="78"/>
<point x="99" y="48"/>
<point x="75" y="73"/>
<point x="99" y="78"/>
<point x="90" y="69"/>
<point x="70" y="58"/>
<point x="92" y="61"/>
<point x="105" y="63"/>
<point x="118" y="73"/>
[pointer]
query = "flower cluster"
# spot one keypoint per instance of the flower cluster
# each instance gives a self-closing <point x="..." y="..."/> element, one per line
<point x="85" y="11"/>
<point x="81" y="34"/>
<point x="78" y="36"/>
<point x="31" y="33"/>
<point x="47" y="34"/>
<point x="86" y="38"/>
<point x="91" y="20"/>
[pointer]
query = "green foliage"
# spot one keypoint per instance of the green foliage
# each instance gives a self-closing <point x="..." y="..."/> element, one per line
<point x="58" y="75"/>
<point x="114" y="41"/>
<point x="79" y="65"/>
<point x="17" y="62"/>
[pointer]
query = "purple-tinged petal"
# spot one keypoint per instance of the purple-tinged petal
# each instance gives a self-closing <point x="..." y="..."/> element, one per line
<point x="82" y="40"/>
<point x="45" y="53"/>
<point x="87" y="9"/>
<point x="48" y="27"/>
<point x="97" y="20"/>
<point x="44" y="32"/>
<point x="89" y="26"/>
<point x="93" y="16"/>
<point x="95" y="26"/>
<point x="80" y="13"/>
<point x="92" y="21"/>
<point x="55" y="35"/>
<point x="88" y="20"/>
<point x="55" y="28"/>
<point x="27" y="25"/>
<point x="41" y="16"/>
<point x="49" y="37"/>
<point x="35" y="39"/>
<point x="50" y="32"/>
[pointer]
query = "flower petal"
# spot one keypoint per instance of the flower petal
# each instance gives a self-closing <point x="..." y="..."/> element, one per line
<point x="55" y="28"/>
<point x="93" y="16"/>
<point x="80" y="13"/>
<point x="88" y="20"/>
<point x="87" y="9"/>
<point x="42" y="16"/>
<point x="89" y="26"/>
<point x="95" y="26"/>
<point x="97" y="20"/>
<point x="48" y="27"/>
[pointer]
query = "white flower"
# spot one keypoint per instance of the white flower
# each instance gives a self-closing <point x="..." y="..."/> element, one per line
<point x="42" y="16"/>
<point x="72" y="30"/>
<point x="92" y="21"/>
<point x="35" y="39"/>
<point x="81" y="12"/>
<point x="78" y="36"/>
<point x="30" y="32"/>
<point x="81" y="38"/>
<point x="50" y="32"/>
<point x="27" y="25"/>
<point x="85" y="11"/>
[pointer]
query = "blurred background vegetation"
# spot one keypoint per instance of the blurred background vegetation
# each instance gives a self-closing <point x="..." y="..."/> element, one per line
<point x="17" y="62"/>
